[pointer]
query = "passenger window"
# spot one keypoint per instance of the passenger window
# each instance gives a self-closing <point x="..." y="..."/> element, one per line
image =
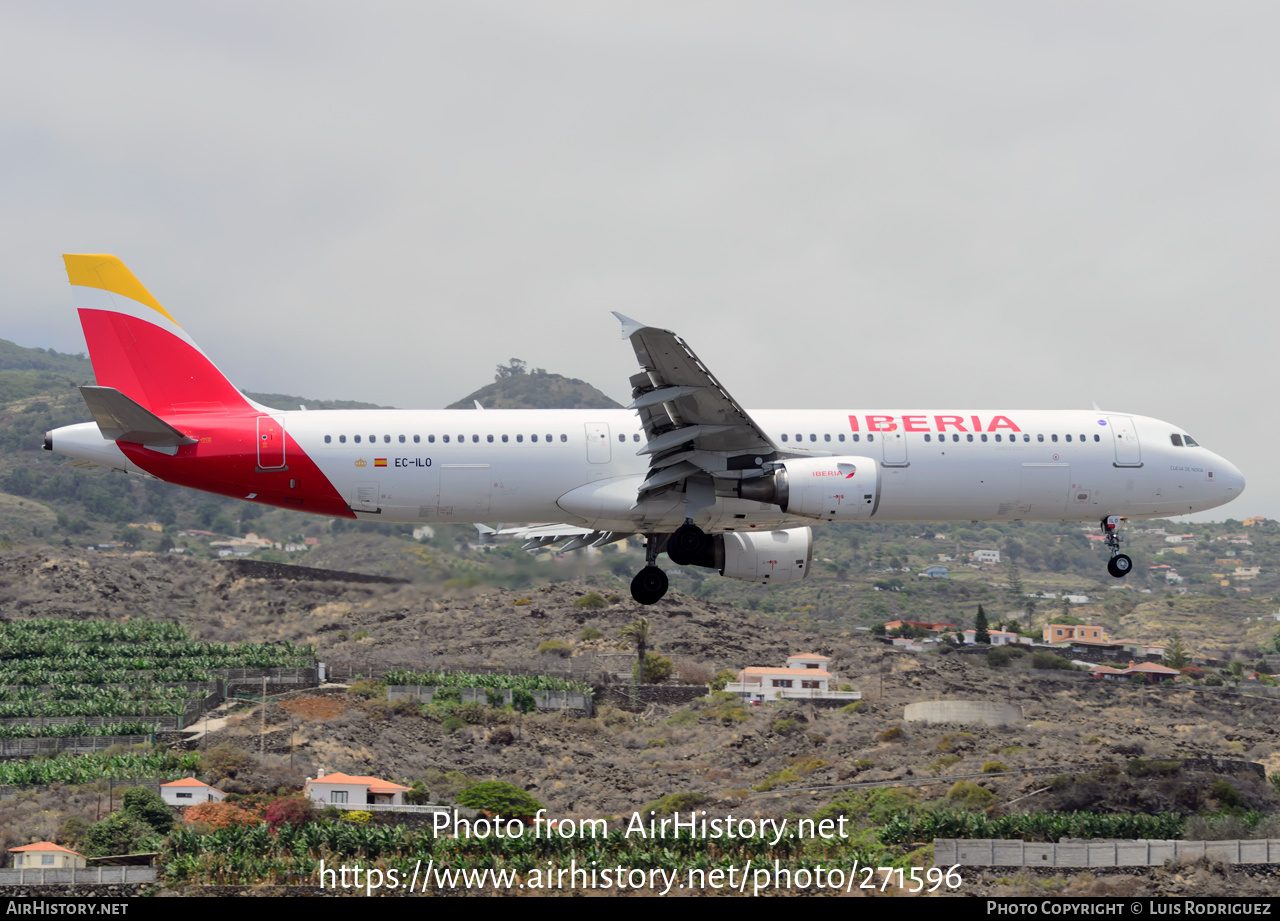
<point x="984" y="436"/>
<point x="1039" y="438"/>
<point x="997" y="436"/>
<point x="1053" y="437"/>
<point x="402" y="439"/>
<point x="826" y="437"/>
<point x="342" y="439"/>
<point x="373" y="439"/>
<point x="357" y="439"/>
<point x="488" y="438"/>
<point x="622" y="438"/>
<point x="386" y="439"/>
<point x="784" y="437"/>
<point x="475" y="439"/>
<point x="635" y="437"/>
<point x="799" y="437"/>
<point x="813" y="437"/>
<point x="1097" y="438"/>
<point x="519" y="439"/>
<point x="329" y="438"/>
<point x="446" y="439"/>
<point x="1026" y="437"/>
<point x="1068" y="438"/>
<point x="841" y="436"/>
<point x="855" y="437"/>
<point x="927" y="437"/>
<point x="968" y="437"/>
<point x="431" y="439"/>
<point x="504" y="439"/>
<point x="533" y="437"/>
<point x="564" y="437"/>
<point x="870" y="437"/>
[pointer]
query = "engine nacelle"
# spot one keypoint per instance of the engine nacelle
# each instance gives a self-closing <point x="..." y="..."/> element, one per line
<point x="764" y="556"/>
<point x="827" y="488"/>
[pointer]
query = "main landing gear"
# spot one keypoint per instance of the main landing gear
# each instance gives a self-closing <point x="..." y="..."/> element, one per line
<point x="650" y="583"/>
<point x="1119" y="564"/>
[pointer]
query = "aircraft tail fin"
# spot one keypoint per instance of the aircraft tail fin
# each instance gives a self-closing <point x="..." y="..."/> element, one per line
<point x="138" y="348"/>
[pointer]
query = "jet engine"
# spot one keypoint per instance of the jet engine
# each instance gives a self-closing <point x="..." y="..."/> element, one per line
<point x="826" y="488"/>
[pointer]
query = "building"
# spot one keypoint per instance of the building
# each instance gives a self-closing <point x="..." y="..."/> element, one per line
<point x="985" y="556"/>
<point x="1059" y="633"/>
<point x="45" y="855"/>
<point x="354" y="791"/>
<point x="998" y="637"/>
<point x="189" y="792"/>
<point x="934" y="627"/>
<point x="1145" y="671"/>
<point x="804" y="677"/>
<point x="935" y="572"/>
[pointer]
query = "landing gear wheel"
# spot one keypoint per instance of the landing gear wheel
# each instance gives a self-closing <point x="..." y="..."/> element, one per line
<point x="1119" y="565"/>
<point x="686" y="545"/>
<point x="649" y="585"/>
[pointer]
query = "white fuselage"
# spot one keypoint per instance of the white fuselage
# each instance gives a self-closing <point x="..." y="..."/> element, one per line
<point x="581" y="467"/>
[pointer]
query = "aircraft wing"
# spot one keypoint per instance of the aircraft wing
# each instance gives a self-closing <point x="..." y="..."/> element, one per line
<point x="692" y="425"/>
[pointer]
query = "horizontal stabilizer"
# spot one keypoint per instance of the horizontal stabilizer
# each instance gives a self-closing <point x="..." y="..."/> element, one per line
<point x="121" y="419"/>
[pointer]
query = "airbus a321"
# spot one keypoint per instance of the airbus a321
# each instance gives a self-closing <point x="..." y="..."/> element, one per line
<point x="701" y="478"/>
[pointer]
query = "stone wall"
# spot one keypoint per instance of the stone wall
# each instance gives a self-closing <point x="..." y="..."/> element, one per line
<point x="1110" y="853"/>
<point x="637" y="697"/>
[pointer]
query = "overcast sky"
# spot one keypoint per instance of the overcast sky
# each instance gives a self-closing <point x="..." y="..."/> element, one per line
<point x="837" y="204"/>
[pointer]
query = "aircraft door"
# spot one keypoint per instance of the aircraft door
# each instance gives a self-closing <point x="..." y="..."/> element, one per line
<point x="465" y="490"/>
<point x="1125" y="434"/>
<point x="271" y="442"/>
<point x="599" y="451"/>
<point x="895" y="449"/>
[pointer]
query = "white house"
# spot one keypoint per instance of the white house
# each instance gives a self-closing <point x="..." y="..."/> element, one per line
<point x="347" y="790"/>
<point x="189" y="792"/>
<point x="804" y="676"/>
<point x="45" y="855"/>
<point x="985" y="556"/>
<point x="998" y="637"/>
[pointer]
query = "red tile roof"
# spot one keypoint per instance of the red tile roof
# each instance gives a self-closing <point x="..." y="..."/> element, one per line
<point x="43" y="846"/>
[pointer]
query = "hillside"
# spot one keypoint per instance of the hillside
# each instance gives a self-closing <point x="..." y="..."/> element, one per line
<point x="515" y="387"/>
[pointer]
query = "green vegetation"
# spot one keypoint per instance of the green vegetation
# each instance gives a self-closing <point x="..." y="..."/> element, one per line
<point x="405" y="678"/>
<point x="497" y="797"/>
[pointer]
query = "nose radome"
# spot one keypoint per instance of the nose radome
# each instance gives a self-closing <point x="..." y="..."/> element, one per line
<point x="1230" y="477"/>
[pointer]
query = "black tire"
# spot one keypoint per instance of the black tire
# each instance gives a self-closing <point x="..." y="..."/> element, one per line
<point x="1119" y="566"/>
<point x="649" y="585"/>
<point x="687" y="545"/>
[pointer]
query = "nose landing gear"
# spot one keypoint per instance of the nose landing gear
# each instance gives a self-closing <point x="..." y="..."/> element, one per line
<point x="1119" y="564"/>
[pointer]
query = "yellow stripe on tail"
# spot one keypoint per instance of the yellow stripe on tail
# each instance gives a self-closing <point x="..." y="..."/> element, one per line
<point x="110" y="274"/>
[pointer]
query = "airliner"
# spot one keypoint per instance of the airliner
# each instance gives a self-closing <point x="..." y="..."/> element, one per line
<point x="685" y="466"/>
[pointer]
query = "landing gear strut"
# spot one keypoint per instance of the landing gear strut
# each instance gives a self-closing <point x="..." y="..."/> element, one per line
<point x="650" y="583"/>
<point x="1119" y="564"/>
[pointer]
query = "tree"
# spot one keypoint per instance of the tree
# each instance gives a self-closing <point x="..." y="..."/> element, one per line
<point x="657" y="669"/>
<point x="149" y="809"/>
<point x="1016" y="589"/>
<point x="498" y="797"/>
<point x="514" y="368"/>
<point x="637" y="633"/>
<point x="1176" y="656"/>
<point x="980" y="632"/>
<point x="118" y="833"/>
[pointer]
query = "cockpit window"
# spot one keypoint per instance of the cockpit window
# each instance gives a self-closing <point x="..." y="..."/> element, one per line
<point x="1191" y="442"/>
<point x="1177" y="440"/>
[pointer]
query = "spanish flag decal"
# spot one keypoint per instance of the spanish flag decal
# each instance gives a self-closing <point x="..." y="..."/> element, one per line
<point x="379" y="462"/>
